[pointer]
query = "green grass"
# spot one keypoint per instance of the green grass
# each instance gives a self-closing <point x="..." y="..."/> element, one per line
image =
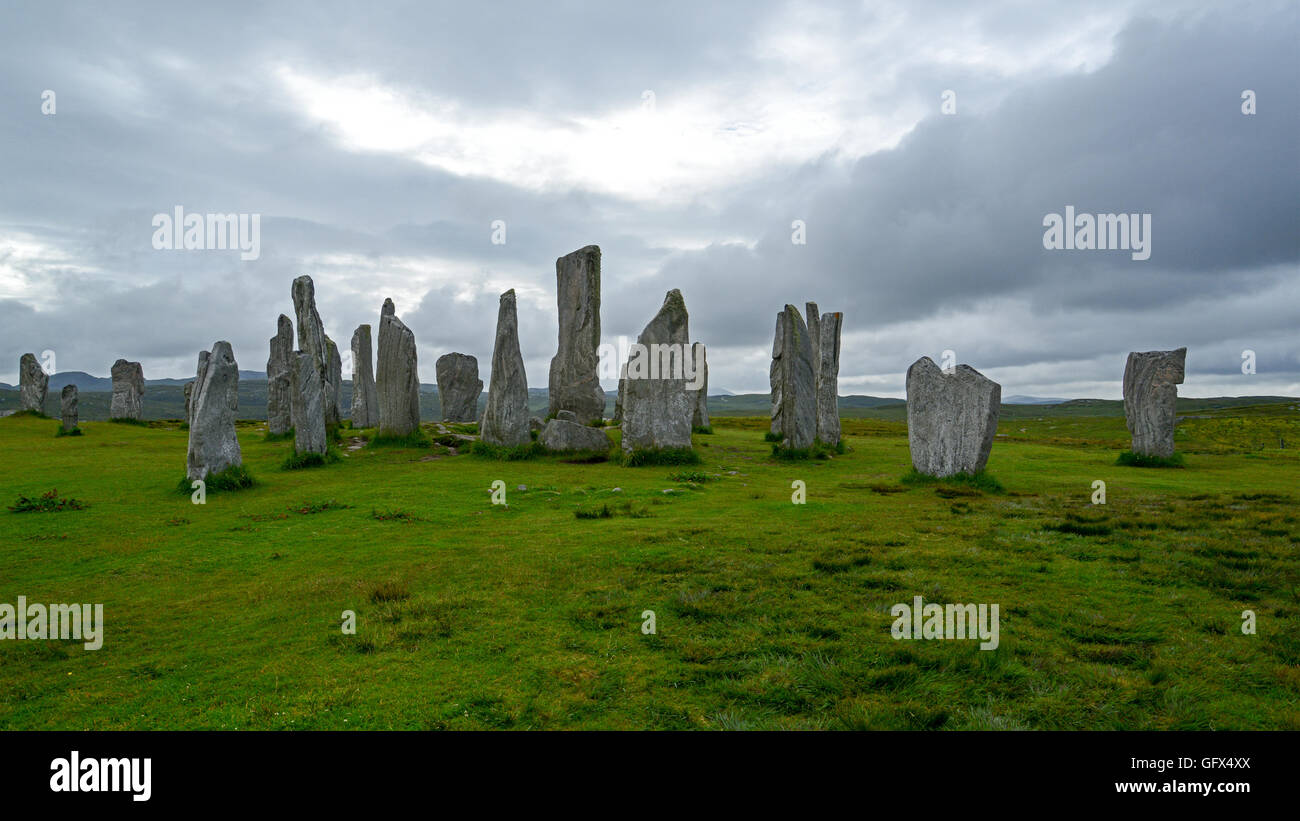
<point x="770" y="615"/>
<point x="415" y="439"/>
<point x="60" y="431"/>
<point x="659" y="456"/>
<point x="127" y="420"/>
<point x="301" y="461"/>
<point x="1143" y="460"/>
<point x="517" y="453"/>
<point x="983" y="480"/>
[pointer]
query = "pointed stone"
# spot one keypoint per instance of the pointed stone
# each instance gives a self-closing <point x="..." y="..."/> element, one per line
<point x="33" y="383"/>
<point x="213" y="446"/>
<point x="365" y="394"/>
<point x="797" y="405"/>
<point x="828" y="378"/>
<point x="397" y="376"/>
<point x="951" y="418"/>
<point x="458" y="387"/>
<point x="128" y="390"/>
<point x="574" y="383"/>
<point x="68" y="407"/>
<point x="279" y="387"/>
<point x="657" y="406"/>
<point x="312" y="340"/>
<point x="700" y="407"/>
<point x="1151" y="381"/>
<point x="308" y="409"/>
<point x="505" y="419"/>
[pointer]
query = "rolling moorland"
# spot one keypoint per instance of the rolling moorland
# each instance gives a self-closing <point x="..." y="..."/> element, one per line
<point x="769" y="614"/>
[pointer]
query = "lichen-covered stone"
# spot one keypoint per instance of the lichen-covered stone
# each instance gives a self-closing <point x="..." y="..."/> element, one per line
<point x="574" y="383"/>
<point x="459" y="387"/>
<point x="1151" y="381"/>
<point x="951" y="418"/>
<point x="505" y="418"/>
<point x="213" y="445"/>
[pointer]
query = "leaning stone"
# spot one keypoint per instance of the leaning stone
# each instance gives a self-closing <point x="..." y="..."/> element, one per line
<point x="309" y="434"/>
<point x="279" y="396"/>
<point x="700" y="406"/>
<point x="797" y="378"/>
<point x="33" y="383"/>
<point x="952" y="418"/>
<point x="564" y="435"/>
<point x="128" y="390"/>
<point x="505" y="419"/>
<point x="312" y="340"/>
<point x="657" y="407"/>
<point x="398" y="380"/>
<point x="68" y="407"/>
<point x="1151" y="381"/>
<point x="458" y="387"/>
<point x="574" y="382"/>
<point x="213" y="445"/>
<point x="828" y="378"/>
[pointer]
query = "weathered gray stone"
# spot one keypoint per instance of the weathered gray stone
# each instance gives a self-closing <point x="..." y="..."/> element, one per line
<point x="189" y="391"/>
<point x="567" y="416"/>
<point x="828" y="378"/>
<point x="505" y="419"/>
<point x="797" y="377"/>
<point x="365" y="394"/>
<point x="279" y="381"/>
<point x="213" y="446"/>
<point x="622" y="391"/>
<point x="1151" y="381"/>
<point x="33" y="383"/>
<point x="128" y="390"/>
<point x="574" y="383"/>
<point x="813" y="317"/>
<point x="312" y="340"/>
<point x="951" y="418"/>
<point x="459" y="387"/>
<point x="657" y="407"/>
<point x="308" y="408"/>
<point x="774" y="371"/>
<point x="700" y="407"/>
<point x="334" y="387"/>
<point x="68" y="407"/>
<point x="189" y="409"/>
<point x="535" y="424"/>
<point x="398" y="378"/>
<point x="564" y="435"/>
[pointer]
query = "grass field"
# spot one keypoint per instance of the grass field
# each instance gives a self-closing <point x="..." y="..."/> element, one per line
<point x="769" y="614"/>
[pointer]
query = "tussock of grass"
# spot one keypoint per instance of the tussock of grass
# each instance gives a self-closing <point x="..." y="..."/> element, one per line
<point x="769" y="436"/>
<point x="414" y="439"/>
<point x="1141" y="460"/>
<point x="394" y="516"/>
<point x="698" y="476"/>
<point x="287" y="436"/>
<point x="61" y="432"/>
<point x="299" y="461"/>
<point x="818" y="450"/>
<point x="517" y="453"/>
<point x="389" y="592"/>
<point x="126" y="420"/>
<point x="235" y="477"/>
<point x="605" y="511"/>
<point x="308" y="508"/>
<point x="980" y="481"/>
<point x="24" y="414"/>
<point x="661" y="456"/>
<point x="47" y="502"/>
<point x="705" y="430"/>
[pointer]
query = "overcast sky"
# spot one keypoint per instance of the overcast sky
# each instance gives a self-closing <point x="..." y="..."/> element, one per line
<point x="379" y="142"/>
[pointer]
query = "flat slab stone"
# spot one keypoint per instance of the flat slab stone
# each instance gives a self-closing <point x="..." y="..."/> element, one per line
<point x="33" y="383"/>
<point x="68" y="407"/>
<point x="951" y="418"/>
<point x="128" y="391"/>
<point x="564" y="435"/>
<point x="657" y="406"/>
<point x="213" y="445"/>
<point x="1151" y="381"/>
<point x="459" y="387"/>
<point x="398" y="380"/>
<point x="505" y="418"/>
<point x="574" y="383"/>
<point x="796" y="376"/>
<point x="365" y="394"/>
<point x="279" y="396"/>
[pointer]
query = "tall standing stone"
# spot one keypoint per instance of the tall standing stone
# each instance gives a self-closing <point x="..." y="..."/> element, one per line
<point x="279" y="379"/>
<point x="365" y="396"/>
<point x="213" y="445"/>
<point x="189" y="392"/>
<point x="128" y="390"/>
<point x="1151" y="381"/>
<point x="68" y="407"/>
<point x="574" y="383"/>
<point x="828" y="378"/>
<point x="33" y="383"/>
<point x="312" y="340"/>
<point x="813" y="318"/>
<point x="458" y="387"/>
<point x="398" y="379"/>
<point x="308" y="409"/>
<point x="505" y="419"/>
<point x="334" y="391"/>
<point x="657" y="406"/>
<point x="700" y="407"/>
<point x="951" y="418"/>
<point x="796" y="410"/>
<point x="774" y="371"/>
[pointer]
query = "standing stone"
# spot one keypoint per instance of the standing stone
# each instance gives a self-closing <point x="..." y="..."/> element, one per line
<point x="213" y="445"/>
<point x="951" y="418"/>
<point x="312" y="340"/>
<point x="1151" y="381"/>
<point x="68" y="408"/>
<point x="567" y="435"/>
<point x="814" y="332"/>
<point x="458" y="387"/>
<point x="797" y="376"/>
<point x="622" y="390"/>
<point x="279" y="379"/>
<point x="505" y="419"/>
<point x="334" y="390"/>
<point x="774" y="372"/>
<point x="828" y="378"/>
<point x="32" y="384"/>
<point x="203" y="364"/>
<point x="365" y="396"/>
<point x="128" y="390"/>
<point x="700" y="411"/>
<point x="398" y="380"/>
<point x="657" y="408"/>
<point x="308" y="409"/>
<point x="574" y="383"/>
<point x="189" y="391"/>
